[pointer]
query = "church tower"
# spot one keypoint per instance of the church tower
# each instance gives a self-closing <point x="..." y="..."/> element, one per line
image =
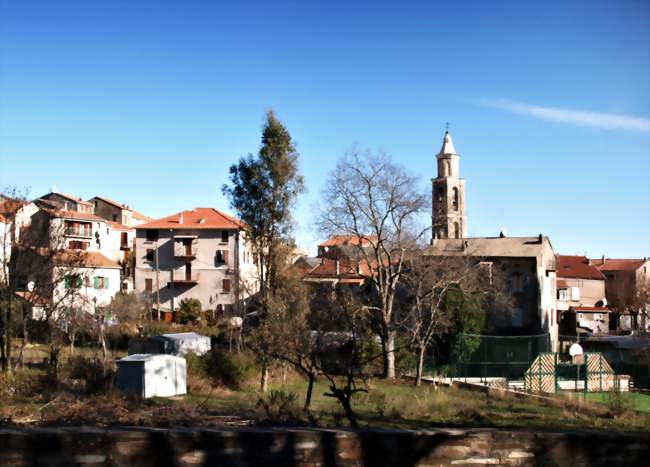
<point x="449" y="219"/>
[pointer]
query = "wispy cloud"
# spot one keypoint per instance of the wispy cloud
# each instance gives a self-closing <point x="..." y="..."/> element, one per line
<point x="570" y="116"/>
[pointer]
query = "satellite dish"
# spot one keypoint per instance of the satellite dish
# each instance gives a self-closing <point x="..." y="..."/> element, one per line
<point x="575" y="350"/>
<point x="30" y="286"/>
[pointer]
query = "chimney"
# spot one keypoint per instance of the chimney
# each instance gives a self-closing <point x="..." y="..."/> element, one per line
<point x="180" y="218"/>
<point x="540" y="239"/>
<point x="604" y="259"/>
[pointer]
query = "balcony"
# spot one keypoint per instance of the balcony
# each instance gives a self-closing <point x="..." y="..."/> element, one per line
<point x="185" y="247"/>
<point x="75" y="232"/>
<point x="185" y="278"/>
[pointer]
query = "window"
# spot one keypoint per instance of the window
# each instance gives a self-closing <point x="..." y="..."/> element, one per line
<point x="72" y="281"/>
<point x="152" y="235"/>
<point x="562" y="294"/>
<point x="78" y="245"/>
<point x="114" y="217"/>
<point x="224" y="236"/>
<point x="455" y="200"/>
<point x="225" y="285"/>
<point x="148" y="285"/>
<point x="100" y="282"/>
<point x="150" y="255"/>
<point x="124" y="239"/>
<point x="78" y="229"/>
<point x="456" y="230"/>
<point x="516" y="282"/>
<point x="222" y="256"/>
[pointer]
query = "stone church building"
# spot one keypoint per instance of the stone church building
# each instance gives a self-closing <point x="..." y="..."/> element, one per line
<point x="528" y="263"/>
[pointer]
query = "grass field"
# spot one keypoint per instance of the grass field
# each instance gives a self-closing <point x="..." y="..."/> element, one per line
<point x="390" y="404"/>
<point x="637" y="400"/>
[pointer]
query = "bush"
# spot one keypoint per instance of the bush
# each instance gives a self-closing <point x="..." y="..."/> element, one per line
<point x="189" y="311"/>
<point x="25" y="383"/>
<point x="233" y="371"/>
<point x="279" y="408"/>
<point x="95" y="374"/>
<point x="618" y="404"/>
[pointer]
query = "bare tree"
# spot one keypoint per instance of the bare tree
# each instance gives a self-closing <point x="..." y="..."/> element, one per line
<point x="428" y="281"/>
<point x="369" y="197"/>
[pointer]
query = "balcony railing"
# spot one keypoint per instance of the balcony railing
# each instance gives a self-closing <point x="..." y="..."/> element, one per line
<point x="183" y="278"/>
<point x="72" y="232"/>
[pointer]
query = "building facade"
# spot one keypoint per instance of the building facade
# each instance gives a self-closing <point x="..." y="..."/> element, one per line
<point x="581" y="301"/>
<point x="200" y="253"/>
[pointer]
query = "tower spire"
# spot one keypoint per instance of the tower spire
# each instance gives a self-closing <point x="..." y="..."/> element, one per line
<point x="448" y="216"/>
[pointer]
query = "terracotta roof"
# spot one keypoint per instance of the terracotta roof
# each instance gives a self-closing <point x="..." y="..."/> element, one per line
<point x="87" y="216"/>
<point x="198" y="218"/>
<point x="118" y="226"/>
<point x="595" y="309"/>
<point x="347" y="269"/>
<point x="561" y="284"/>
<point x="577" y="267"/>
<point x="617" y="264"/>
<point x="31" y="297"/>
<point x="353" y="240"/>
<point x="9" y="206"/>
<point x="85" y="259"/>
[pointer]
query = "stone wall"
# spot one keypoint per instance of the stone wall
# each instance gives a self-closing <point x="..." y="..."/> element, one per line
<point x="307" y="447"/>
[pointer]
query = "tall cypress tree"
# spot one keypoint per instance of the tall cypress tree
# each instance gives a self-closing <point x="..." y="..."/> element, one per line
<point x="263" y="191"/>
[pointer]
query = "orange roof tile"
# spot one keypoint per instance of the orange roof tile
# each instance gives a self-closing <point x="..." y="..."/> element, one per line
<point x="198" y="218"/>
<point x="617" y="264"/>
<point x="84" y="259"/>
<point x="87" y="216"/>
<point x="354" y="240"/>
<point x="577" y="267"/>
<point x="118" y="226"/>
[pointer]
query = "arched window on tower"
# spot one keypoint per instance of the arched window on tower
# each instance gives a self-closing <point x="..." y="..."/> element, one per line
<point x="455" y="200"/>
<point x="456" y="230"/>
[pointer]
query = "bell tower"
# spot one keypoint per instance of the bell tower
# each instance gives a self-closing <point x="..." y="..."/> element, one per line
<point x="448" y="217"/>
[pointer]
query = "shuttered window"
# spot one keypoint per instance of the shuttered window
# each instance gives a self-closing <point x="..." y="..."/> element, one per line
<point x="226" y="285"/>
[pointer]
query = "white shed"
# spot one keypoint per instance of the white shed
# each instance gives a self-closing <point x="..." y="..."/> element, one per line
<point x="181" y="343"/>
<point x="152" y="375"/>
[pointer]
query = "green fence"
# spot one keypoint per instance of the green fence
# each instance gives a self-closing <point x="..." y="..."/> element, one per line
<point x="624" y="361"/>
<point x="499" y="356"/>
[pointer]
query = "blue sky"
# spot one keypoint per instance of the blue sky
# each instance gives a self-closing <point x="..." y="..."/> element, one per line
<point x="150" y="102"/>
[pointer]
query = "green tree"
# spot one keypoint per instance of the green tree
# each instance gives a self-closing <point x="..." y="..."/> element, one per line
<point x="190" y="311"/>
<point x="263" y="190"/>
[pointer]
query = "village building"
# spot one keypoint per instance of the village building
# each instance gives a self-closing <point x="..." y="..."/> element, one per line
<point x="117" y="212"/>
<point x="581" y="301"/>
<point x="627" y="288"/>
<point x="528" y="263"/>
<point x="200" y="253"/>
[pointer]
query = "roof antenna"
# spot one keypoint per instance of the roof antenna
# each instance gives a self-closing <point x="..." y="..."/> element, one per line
<point x="447" y="127"/>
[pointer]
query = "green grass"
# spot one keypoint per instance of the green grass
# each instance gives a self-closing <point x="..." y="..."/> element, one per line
<point x="637" y="400"/>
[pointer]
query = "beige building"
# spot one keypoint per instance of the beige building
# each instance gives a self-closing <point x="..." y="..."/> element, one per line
<point x="627" y="286"/>
<point x="448" y="194"/>
<point x="581" y="301"/>
<point x="528" y="265"/>
<point x="200" y="253"/>
<point x="117" y="212"/>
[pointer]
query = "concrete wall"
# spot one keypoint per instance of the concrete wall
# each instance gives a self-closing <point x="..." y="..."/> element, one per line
<point x="205" y="268"/>
<point x="313" y="447"/>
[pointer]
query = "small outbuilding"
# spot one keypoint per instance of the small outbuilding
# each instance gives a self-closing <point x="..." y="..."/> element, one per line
<point x="178" y="344"/>
<point x="152" y="375"/>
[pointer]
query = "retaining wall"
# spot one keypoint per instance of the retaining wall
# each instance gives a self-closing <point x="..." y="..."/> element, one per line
<point x="307" y="447"/>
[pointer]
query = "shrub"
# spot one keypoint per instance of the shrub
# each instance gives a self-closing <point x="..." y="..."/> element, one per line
<point x="96" y="375"/>
<point x="618" y="404"/>
<point x="189" y="311"/>
<point x="278" y="408"/>
<point x="25" y="383"/>
<point x="223" y="368"/>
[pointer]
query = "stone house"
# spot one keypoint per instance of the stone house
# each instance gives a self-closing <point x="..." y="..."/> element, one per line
<point x="581" y="301"/>
<point x="627" y="286"/>
<point x="528" y="265"/>
<point x="200" y="253"/>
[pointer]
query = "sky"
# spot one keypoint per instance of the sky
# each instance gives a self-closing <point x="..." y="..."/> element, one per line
<point x="150" y="102"/>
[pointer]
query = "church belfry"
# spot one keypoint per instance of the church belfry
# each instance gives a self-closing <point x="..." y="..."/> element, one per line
<point x="449" y="219"/>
